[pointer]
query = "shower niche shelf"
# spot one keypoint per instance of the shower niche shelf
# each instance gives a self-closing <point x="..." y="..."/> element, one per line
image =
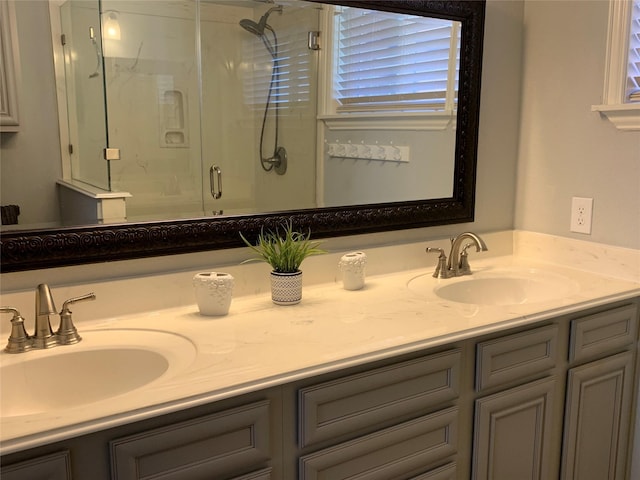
<point x="173" y="119"/>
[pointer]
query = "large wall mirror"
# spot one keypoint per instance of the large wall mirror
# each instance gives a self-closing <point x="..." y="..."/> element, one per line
<point x="207" y="118"/>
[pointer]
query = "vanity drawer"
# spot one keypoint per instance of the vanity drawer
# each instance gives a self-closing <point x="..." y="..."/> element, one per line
<point x="264" y="474"/>
<point x="351" y="403"/>
<point x="213" y="446"/>
<point x="393" y="452"/>
<point x="56" y="466"/>
<point x="516" y="356"/>
<point x="603" y="333"/>
<point x="446" y="472"/>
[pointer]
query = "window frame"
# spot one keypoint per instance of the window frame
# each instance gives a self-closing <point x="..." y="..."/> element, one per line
<point x="625" y="116"/>
<point x="371" y="120"/>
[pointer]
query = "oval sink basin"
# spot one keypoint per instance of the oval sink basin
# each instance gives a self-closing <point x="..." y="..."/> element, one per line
<point x="498" y="288"/>
<point x="104" y="365"/>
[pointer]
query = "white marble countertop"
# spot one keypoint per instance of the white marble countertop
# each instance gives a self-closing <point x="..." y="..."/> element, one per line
<point x="259" y="345"/>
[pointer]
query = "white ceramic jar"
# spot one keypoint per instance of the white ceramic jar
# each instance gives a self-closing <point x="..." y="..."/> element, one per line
<point x="214" y="291"/>
<point x="352" y="266"/>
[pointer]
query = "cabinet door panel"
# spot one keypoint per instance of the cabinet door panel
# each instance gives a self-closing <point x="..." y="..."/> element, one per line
<point x="358" y="401"/>
<point x="393" y="453"/>
<point x="50" y="467"/>
<point x="598" y="411"/>
<point x="215" y="445"/>
<point x="513" y="431"/>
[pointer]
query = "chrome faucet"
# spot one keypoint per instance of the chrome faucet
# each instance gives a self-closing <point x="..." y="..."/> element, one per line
<point x="43" y="337"/>
<point x="458" y="262"/>
<point x="455" y="263"/>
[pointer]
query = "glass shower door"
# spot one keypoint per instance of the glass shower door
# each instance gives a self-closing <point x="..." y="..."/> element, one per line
<point x="228" y="126"/>
<point x="80" y="22"/>
<point x="243" y="70"/>
<point x="153" y="106"/>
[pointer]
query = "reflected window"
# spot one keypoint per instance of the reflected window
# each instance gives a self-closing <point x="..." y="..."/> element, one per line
<point x="633" y="73"/>
<point x="384" y="62"/>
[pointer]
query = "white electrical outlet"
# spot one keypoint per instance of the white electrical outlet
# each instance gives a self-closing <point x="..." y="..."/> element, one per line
<point x="581" y="210"/>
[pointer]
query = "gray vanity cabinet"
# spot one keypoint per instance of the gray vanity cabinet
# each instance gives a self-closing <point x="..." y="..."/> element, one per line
<point x="513" y="428"/>
<point x="600" y="395"/>
<point x="394" y="422"/>
<point x="567" y="405"/>
<point x="543" y="401"/>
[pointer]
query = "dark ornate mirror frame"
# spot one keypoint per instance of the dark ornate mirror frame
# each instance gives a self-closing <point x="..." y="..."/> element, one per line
<point x="34" y="249"/>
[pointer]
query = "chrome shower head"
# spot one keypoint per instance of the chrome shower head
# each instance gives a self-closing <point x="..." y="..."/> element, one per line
<point x="251" y="26"/>
<point x="258" y="28"/>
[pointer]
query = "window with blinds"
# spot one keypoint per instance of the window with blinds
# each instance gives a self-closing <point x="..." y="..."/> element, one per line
<point x="385" y="61"/>
<point x="621" y="93"/>
<point x="633" y="72"/>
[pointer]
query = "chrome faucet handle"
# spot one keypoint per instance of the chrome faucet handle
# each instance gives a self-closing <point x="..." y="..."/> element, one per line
<point x="464" y="268"/>
<point x="67" y="333"/>
<point x="19" y="341"/>
<point x="441" y="268"/>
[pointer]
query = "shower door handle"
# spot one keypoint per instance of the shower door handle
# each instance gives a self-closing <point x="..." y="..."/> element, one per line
<point x="215" y="173"/>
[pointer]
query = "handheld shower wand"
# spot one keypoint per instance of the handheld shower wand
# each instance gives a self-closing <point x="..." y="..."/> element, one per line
<point x="278" y="161"/>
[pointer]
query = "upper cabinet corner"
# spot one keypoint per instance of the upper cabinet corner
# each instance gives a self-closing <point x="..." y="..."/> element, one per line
<point x="9" y="68"/>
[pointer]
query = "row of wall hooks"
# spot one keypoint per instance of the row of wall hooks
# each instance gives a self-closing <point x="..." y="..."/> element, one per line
<point x="364" y="151"/>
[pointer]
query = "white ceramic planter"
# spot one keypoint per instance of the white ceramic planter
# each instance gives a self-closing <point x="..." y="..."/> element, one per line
<point x="286" y="288"/>
<point x="214" y="291"/>
<point x="352" y="266"/>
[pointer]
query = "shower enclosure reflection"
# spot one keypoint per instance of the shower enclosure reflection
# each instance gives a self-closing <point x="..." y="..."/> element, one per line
<point x="176" y="96"/>
<point x="183" y="88"/>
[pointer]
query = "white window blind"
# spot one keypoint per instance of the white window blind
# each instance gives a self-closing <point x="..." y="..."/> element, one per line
<point x="293" y="75"/>
<point x="633" y="74"/>
<point x="386" y="61"/>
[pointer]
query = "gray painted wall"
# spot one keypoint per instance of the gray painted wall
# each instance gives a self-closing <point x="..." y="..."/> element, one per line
<point x="566" y="149"/>
<point x="34" y="151"/>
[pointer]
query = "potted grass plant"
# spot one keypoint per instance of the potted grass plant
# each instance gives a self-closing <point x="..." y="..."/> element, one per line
<point x="284" y="249"/>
